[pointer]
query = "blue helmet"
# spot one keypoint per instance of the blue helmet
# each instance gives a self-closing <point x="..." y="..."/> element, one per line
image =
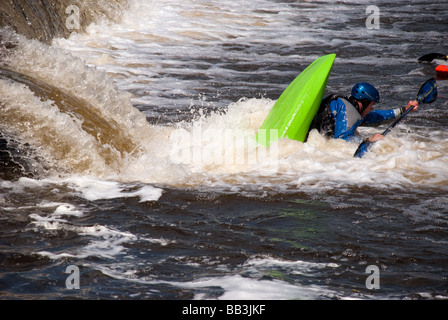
<point x="365" y="90"/>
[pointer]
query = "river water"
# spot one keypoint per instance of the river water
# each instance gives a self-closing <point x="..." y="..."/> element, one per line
<point x="141" y="170"/>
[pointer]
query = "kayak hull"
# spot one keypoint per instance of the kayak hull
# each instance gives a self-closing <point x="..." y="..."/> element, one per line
<point x="293" y="112"/>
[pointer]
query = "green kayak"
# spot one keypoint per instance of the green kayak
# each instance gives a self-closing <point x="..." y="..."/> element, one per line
<point x="296" y="107"/>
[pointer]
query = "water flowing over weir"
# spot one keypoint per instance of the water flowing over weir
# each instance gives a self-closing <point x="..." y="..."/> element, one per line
<point x="57" y="118"/>
<point x="43" y="21"/>
<point x="80" y="123"/>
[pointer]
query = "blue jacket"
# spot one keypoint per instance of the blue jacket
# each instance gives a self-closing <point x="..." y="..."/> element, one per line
<point x="346" y="121"/>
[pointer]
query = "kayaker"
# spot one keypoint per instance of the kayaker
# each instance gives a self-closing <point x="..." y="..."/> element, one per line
<point x="338" y="117"/>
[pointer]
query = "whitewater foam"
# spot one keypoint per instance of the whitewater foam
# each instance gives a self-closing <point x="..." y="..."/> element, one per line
<point x="248" y="284"/>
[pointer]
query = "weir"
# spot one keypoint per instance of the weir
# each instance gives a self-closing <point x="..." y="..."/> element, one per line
<point x="45" y="20"/>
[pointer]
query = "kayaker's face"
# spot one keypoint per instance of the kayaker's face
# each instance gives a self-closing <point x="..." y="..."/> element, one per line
<point x="368" y="109"/>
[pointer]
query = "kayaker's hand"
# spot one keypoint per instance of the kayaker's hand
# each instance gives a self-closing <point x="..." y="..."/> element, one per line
<point x="376" y="137"/>
<point x="411" y="104"/>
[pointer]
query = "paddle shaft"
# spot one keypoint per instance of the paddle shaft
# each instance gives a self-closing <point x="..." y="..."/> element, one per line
<point x="393" y="124"/>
